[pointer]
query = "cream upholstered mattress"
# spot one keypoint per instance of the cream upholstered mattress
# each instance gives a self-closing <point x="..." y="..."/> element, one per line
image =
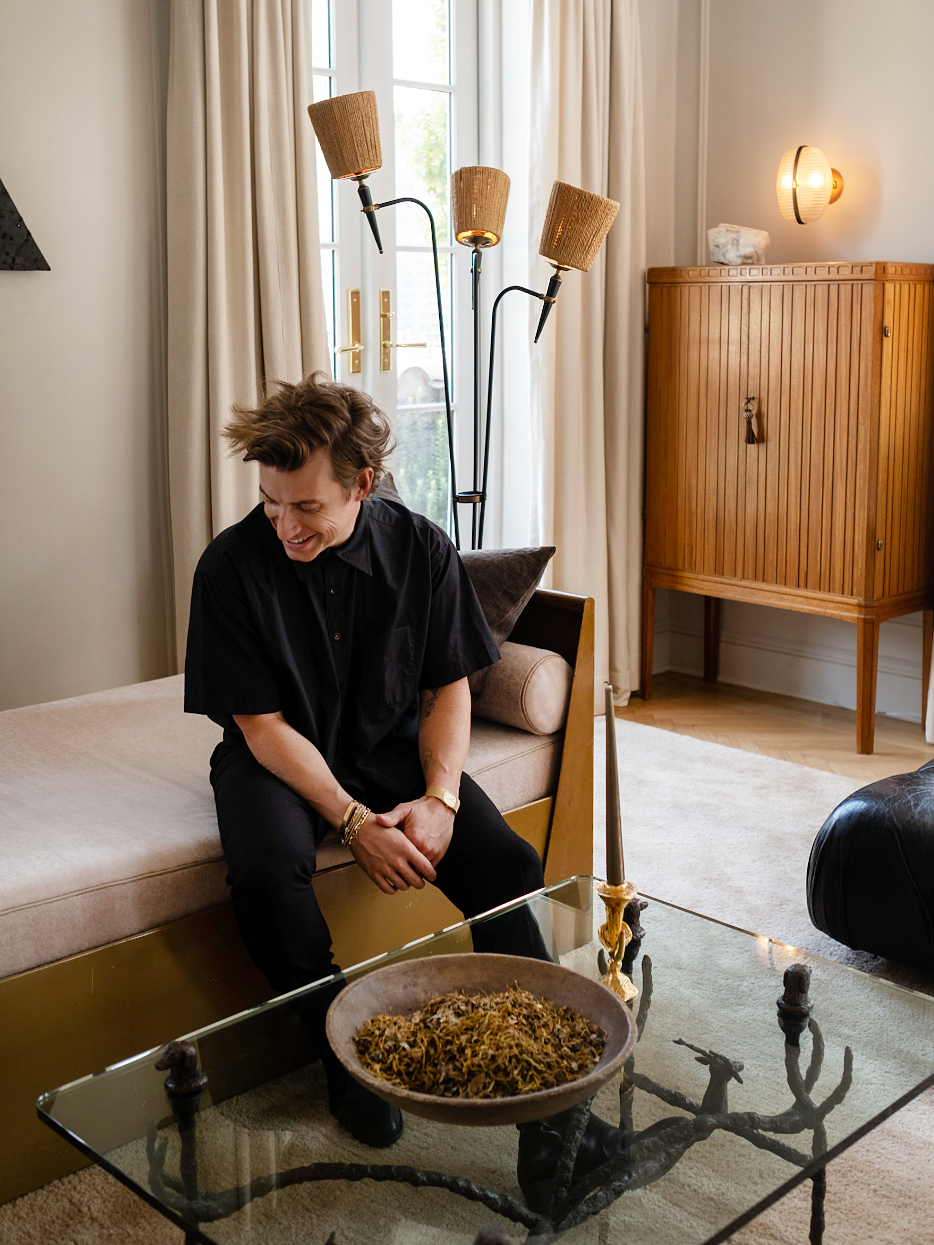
<point x="107" y="824"/>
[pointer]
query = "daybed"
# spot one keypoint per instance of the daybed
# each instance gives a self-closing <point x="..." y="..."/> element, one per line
<point x="116" y="933"/>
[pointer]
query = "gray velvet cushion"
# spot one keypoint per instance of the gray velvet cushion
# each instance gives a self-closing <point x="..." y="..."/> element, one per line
<point x="528" y="688"/>
<point x="504" y="580"/>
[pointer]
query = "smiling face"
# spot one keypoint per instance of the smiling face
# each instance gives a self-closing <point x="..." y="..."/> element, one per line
<point x="309" y="508"/>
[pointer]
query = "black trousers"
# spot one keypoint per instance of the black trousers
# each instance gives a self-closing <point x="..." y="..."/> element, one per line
<point x="267" y="832"/>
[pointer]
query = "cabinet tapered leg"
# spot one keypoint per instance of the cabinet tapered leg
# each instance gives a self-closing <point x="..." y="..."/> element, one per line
<point x="867" y="660"/>
<point x="711" y="639"/>
<point x="648" y="638"/>
<point x="927" y="644"/>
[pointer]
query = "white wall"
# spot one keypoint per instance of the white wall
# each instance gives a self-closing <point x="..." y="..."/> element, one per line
<point x="852" y="77"/>
<point x="84" y="556"/>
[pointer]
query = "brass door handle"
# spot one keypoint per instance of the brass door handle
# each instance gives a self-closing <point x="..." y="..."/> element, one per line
<point x="386" y="313"/>
<point x="354" y="363"/>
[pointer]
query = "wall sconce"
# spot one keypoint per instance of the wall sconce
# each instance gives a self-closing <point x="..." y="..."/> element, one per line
<point x="806" y="184"/>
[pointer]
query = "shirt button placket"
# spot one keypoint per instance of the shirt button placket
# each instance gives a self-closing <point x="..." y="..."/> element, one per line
<point x="336" y="622"/>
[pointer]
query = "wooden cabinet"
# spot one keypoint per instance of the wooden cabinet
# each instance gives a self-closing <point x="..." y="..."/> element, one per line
<point x="831" y="511"/>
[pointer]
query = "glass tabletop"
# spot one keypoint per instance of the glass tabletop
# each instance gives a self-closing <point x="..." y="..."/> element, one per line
<point x="722" y="1115"/>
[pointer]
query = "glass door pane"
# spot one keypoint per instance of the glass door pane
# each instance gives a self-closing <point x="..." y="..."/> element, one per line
<point x="422" y="130"/>
<point x="423" y="162"/>
<point x="421" y="421"/>
<point x="421" y="40"/>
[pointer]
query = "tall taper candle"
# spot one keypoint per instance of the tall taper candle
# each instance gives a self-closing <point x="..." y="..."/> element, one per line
<point x="615" y="868"/>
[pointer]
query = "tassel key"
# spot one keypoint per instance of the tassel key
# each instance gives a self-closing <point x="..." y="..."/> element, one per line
<point x="748" y="414"/>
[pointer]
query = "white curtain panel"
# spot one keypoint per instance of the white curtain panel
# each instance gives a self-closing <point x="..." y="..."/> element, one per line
<point x="244" y="278"/>
<point x="587" y="370"/>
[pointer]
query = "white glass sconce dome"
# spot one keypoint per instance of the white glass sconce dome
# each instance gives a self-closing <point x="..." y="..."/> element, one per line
<point x="806" y="184"/>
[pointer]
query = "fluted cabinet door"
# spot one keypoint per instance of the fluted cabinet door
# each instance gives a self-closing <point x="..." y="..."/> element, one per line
<point x="791" y="509"/>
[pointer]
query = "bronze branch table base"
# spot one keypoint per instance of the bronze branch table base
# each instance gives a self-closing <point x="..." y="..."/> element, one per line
<point x="648" y="1154"/>
<point x="699" y="979"/>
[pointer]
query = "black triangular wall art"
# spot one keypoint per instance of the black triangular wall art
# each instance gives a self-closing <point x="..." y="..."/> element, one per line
<point x="17" y="246"/>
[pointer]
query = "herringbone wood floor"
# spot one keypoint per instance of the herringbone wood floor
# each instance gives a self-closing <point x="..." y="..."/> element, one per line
<point x="821" y="736"/>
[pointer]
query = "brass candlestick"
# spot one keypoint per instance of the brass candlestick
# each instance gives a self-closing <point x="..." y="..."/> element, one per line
<point x="615" y="935"/>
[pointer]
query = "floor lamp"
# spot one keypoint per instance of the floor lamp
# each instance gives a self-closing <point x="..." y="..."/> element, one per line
<point x="576" y="223"/>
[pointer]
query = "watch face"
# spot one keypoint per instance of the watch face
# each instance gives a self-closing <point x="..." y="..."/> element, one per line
<point x="448" y="798"/>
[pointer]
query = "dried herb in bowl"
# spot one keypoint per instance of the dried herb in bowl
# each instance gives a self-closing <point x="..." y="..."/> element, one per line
<point x="460" y="1045"/>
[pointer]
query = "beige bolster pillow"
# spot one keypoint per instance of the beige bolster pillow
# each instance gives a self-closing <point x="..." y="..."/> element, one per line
<point x="529" y="688"/>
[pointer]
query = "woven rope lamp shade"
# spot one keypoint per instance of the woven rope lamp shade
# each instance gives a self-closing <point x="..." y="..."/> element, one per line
<point x="575" y="225"/>
<point x="347" y="127"/>
<point x="479" y="196"/>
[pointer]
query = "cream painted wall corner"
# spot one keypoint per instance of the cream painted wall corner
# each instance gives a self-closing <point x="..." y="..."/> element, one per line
<point x="85" y="557"/>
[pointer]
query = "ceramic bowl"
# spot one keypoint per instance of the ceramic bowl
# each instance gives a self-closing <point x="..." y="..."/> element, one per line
<point x="401" y="989"/>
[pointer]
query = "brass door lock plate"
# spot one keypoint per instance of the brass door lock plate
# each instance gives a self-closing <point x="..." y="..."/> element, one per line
<point x="386" y="347"/>
<point x="354" y="363"/>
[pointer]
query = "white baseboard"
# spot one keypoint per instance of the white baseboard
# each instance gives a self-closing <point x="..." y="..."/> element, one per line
<point x="794" y="654"/>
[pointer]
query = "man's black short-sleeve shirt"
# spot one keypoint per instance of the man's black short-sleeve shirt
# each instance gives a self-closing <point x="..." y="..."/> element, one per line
<point x="340" y="645"/>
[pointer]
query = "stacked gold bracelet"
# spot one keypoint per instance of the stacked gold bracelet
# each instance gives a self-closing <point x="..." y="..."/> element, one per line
<point x="352" y="820"/>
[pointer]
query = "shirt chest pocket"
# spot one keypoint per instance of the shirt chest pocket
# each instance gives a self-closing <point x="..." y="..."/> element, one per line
<point x="389" y="676"/>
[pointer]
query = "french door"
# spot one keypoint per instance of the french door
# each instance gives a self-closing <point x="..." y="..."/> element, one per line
<point x="420" y="57"/>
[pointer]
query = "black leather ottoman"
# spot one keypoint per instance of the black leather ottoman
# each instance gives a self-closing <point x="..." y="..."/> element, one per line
<point x="871" y="872"/>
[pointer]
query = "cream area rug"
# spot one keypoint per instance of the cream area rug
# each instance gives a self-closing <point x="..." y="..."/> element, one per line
<point x="720" y="831"/>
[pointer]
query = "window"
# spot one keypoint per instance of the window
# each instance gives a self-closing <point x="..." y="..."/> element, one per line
<point x="419" y="56"/>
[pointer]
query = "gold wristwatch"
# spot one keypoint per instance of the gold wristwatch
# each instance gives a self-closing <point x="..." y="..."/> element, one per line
<point x="446" y="797"/>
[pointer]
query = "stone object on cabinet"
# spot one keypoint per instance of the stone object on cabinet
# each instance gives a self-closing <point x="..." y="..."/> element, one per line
<point x="737" y="244"/>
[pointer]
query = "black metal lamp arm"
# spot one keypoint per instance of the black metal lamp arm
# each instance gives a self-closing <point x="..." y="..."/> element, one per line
<point x="444" y="355"/>
<point x="489" y="396"/>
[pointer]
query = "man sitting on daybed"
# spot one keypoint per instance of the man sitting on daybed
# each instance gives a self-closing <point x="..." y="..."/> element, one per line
<point x="331" y="636"/>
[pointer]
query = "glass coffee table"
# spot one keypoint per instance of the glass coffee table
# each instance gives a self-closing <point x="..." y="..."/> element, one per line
<point x="723" y="1112"/>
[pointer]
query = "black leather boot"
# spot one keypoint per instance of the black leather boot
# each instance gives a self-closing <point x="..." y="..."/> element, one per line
<point x="540" y="1143"/>
<point x="365" y="1116"/>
